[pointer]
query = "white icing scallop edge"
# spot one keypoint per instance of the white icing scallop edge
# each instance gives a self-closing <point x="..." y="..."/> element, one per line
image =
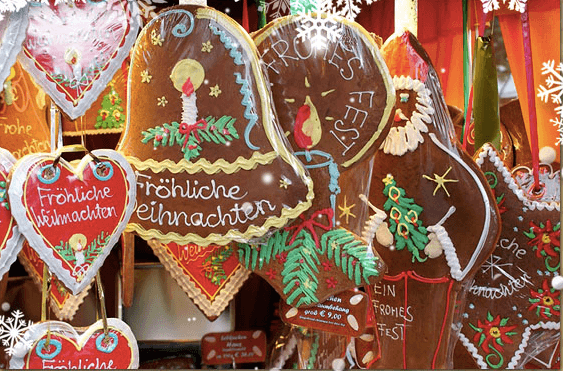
<point x="286" y="352"/>
<point x="449" y="248"/>
<point x="488" y="150"/>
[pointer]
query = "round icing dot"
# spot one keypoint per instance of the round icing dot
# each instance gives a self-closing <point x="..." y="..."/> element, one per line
<point x="514" y="307"/>
<point x="6" y="306"/>
<point x="525" y="321"/>
<point x="540" y="273"/>
<point x="338" y="364"/>
<point x="515" y="229"/>
<point x="519" y="315"/>
<point x="471" y="306"/>
<point x="465" y="315"/>
<point x="547" y="155"/>
<point x="556" y="283"/>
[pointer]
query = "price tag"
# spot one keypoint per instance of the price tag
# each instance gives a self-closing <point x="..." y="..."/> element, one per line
<point x="229" y="347"/>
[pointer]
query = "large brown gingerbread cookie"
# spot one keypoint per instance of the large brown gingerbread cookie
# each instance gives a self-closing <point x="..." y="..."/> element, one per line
<point x="512" y="311"/>
<point x="202" y="135"/>
<point x="334" y="98"/>
<point x="436" y="220"/>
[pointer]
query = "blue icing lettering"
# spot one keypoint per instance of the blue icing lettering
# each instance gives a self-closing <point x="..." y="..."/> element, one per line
<point x="234" y="53"/>
<point x="248" y="114"/>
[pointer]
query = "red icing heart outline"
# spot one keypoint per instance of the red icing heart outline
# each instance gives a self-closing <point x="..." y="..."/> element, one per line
<point x="77" y="349"/>
<point x="11" y="240"/>
<point x="73" y="250"/>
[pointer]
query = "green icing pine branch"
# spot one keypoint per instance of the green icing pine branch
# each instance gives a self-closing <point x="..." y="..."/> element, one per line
<point x="404" y="220"/>
<point x="96" y="247"/>
<point x="213" y="265"/>
<point x="218" y="131"/>
<point x="65" y="251"/>
<point x="111" y="114"/>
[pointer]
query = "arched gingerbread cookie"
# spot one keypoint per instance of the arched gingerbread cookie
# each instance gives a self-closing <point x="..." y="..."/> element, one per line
<point x="334" y="98"/>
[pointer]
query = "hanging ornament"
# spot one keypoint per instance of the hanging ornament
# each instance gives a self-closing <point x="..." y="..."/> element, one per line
<point x="73" y="215"/>
<point x="73" y="50"/>
<point x="10" y="238"/>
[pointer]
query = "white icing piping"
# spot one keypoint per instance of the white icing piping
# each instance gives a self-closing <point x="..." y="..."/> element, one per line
<point x="526" y="336"/>
<point x="285" y="353"/>
<point x="487" y="150"/>
<point x="474" y="352"/>
<point x="189" y="108"/>
<point x="455" y="271"/>
<point x="447" y="245"/>
<point x="403" y="139"/>
<point x="373" y="222"/>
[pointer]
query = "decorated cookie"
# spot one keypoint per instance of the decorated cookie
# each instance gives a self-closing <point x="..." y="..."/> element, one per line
<point x="12" y="34"/>
<point x="201" y="133"/>
<point x="23" y="115"/>
<point x="72" y="216"/>
<point x="63" y="304"/>
<point x="73" y="49"/>
<point x="107" y="114"/>
<point x="10" y="238"/>
<point x="334" y="97"/>
<point x="512" y="310"/>
<point x="211" y="275"/>
<point x="424" y="192"/>
<point x="54" y="344"/>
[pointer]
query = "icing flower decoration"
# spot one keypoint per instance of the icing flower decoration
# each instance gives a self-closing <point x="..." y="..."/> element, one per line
<point x="331" y="282"/>
<point x="544" y="238"/>
<point x="493" y="334"/>
<point x="546" y="302"/>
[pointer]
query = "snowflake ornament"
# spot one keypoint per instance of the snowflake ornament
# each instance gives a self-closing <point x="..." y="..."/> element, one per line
<point x="553" y="90"/>
<point x="12" y="330"/>
<point x="277" y="8"/>
<point x="345" y="8"/>
<point x="517" y="5"/>
<point x="319" y="31"/>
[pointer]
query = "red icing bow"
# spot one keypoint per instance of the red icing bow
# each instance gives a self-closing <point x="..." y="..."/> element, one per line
<point x="311" y="223"/>
<point x="187" y="129"/>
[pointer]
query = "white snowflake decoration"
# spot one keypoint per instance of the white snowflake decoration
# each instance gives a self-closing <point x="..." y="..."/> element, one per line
<point x="345" y="8"/>
<point x="553" y="90"/>
<point x="277" y="8"/>
<point x="517" y="5"/>
<point x="318" y="31"/>
<point x="12" y="330"/>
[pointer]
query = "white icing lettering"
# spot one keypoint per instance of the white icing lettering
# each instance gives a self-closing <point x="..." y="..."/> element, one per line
<point x="514" y="248"/>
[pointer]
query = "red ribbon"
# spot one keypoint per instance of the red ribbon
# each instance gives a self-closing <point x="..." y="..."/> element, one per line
<point x="187" y="129"/>
<point x="311" y="223"/>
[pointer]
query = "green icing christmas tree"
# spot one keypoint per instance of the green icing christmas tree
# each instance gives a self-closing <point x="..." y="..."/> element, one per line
<point x="110" y="116"/>
<point x="404" y="219"/>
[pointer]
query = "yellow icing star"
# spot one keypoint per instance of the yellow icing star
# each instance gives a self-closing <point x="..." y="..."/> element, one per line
<point x="441" y="181"/>
<point x="145" y="76"/>
<point x="284" y="183"/>
<point x="214" y="91"/>
<point x="156" y="39"/>
<point x="346" y="210"/>
<point x="387" y="180"/>
<point x="162" y="101"/>
<point x="206" y="47"/>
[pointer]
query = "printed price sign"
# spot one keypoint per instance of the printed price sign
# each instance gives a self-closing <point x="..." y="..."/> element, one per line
<point x="229" y="347"/>
<point x="343" y="314"/>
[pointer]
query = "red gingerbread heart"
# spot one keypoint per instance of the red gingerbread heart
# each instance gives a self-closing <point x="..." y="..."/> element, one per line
<point x="74" y="50"/>
<point x="71" y="216"/>
<point x="10" y="238"/>
<point x="80" y="348"/>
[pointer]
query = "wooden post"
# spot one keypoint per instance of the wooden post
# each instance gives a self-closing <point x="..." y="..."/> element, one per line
<point x="406" y="16"/>
<point x="128" y="268"/>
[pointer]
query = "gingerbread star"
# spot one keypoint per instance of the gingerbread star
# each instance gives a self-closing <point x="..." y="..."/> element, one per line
<point x="511" y="299"/>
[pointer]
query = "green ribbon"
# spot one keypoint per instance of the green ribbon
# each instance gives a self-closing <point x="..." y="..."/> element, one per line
<point x="485" y="95"/>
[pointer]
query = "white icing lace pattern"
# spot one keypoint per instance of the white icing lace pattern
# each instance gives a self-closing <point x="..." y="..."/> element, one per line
<point x="510" y="182"/>
<point x="406" y="138"/>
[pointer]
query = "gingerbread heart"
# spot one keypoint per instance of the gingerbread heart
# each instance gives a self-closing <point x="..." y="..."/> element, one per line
<point x="54" y="344"/>
<point x="334" y="98"/>
<point x="211" y="275"/>
<point x="74" y="49"/>
<point x="63" y="304"/>
<point x="23" y="121"/>
<point x="10" y="238"/>
<point x="12" y="34"/>
<point x="212" y="165"/>
<point x="72" y="216"/>
<point x="513" y="311"/>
